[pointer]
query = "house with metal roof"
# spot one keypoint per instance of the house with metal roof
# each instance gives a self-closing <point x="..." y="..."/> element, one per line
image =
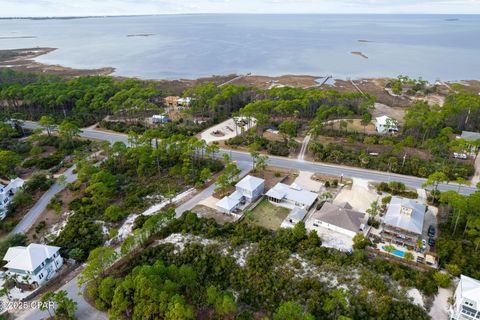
<point x="295" y="216"/>
<point x="403" y="222"/>
<point x="247" y="190"/>
<point x="34" y="264"/>
<point x="339" y="218"/>
<point x="470" y="136"/>
<point x="466" y="304"/>
<point x="291" y="196"/>
<point x="386" y="124"/>
<point x="6" y="194"/>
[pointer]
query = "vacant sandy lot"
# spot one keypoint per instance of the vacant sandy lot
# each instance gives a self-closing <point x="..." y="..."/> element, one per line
<point x="384" y="110"/>
<point x="359" y="196"/>
<point x="223" y="131"/>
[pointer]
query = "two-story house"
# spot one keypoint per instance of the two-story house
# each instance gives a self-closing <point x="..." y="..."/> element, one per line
<point x="403" y="222"/>
<point x="248" y="189"/>
<point x="6" y="194"/>
<point x="34" y="264"/>
<point x="466" y="304"/>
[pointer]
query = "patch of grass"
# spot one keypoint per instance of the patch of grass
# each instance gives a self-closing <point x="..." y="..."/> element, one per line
<point x="268" y="215"/>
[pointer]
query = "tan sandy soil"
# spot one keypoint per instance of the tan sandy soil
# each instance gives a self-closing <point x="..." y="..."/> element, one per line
<point x="355" y="125"/>
<point x="265" y="82"/>
<point x="396" y="113"/>
<point x="286" y="176"/>
<point x="207" y="212"/>
<point x="50" y="217"/>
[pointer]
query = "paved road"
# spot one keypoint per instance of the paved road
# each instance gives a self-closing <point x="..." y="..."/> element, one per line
<point x="337" y="170"/>
<point x="290" y="163"/>
<point x="245" y="167"/>
<point x="84" y="310"/>
<point x="32" y="215"/>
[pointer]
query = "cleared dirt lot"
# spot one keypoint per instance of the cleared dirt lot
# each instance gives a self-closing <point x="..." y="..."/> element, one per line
<point x="207" y="212"/>
<point x="359" y="195"/>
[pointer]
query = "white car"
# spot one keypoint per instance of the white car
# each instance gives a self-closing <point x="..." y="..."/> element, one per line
<point x="458" y="155"/>
<point x="424" y="244"/>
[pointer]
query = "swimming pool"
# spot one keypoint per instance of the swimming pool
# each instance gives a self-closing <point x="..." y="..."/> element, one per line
<point x="398" y="253"/>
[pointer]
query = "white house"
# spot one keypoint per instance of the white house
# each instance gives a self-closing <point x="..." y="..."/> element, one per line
<point x="185" y="102"/>
<point x="386" y="124"/>
<point x="35" y="264"/>
<point x="291" y="196"/>
<point x="467" y="300"/>
<point x="339" y="218"/>
<point x="6" y="194"/>
<point x="160" y="119"/>
<point x="247" y="190"/>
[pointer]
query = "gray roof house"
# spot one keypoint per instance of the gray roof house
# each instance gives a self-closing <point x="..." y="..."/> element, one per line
<point x="291" y="196"/>
<point x="470" y="136"/>
<point x="340" y="218"/>
<point x="295" y="216"/>
<point x="403" y="222"/>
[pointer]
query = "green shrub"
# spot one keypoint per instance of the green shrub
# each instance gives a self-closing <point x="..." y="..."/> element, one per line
<point x="114" y="213"/>
<point x="442" y="279"/>
<point x="38" y="182"/>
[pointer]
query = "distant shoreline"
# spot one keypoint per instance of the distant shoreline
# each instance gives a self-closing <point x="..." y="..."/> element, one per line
<point x="451" y="16"/>
<point x="24" y="60"/>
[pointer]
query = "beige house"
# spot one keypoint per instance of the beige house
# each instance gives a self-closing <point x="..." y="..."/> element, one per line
<point x="339" y="218"/>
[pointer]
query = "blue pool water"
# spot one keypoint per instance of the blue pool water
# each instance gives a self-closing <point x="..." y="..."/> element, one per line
<point x="398" y="253"/>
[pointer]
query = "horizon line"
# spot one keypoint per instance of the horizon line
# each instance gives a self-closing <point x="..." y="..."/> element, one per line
<point x="233" y="13"/>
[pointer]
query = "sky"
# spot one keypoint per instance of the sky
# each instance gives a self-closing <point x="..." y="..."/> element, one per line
<point x="42" y="8"/>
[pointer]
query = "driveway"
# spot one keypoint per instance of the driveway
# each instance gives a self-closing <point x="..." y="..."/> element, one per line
<point x="476" y="176"/>
<point x="33" y="214"/>
<point x="359" y="196"/>
<point x="305" y="181"/>
<point x="84" y="310"/>
<point x="245" y="167"/>
<point x="223" y="131"/>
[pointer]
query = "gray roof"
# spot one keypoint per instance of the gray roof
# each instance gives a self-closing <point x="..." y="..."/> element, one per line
<point x="470" y="136"/>
<point x="406" y="214"/>
<point x="292" y="193"/>
<point x="341" y="216"/>
<point x="250" y="183"/>
<point x="297" y="214"/>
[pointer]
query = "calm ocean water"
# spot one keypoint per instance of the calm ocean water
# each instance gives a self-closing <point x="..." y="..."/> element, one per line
<point x="191" y="46"/>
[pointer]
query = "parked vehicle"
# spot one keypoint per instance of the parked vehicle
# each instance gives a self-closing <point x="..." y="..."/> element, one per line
<point x="431" y="231"/>
<point x="431" y="242"/>
<point x="461" y="156"/>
